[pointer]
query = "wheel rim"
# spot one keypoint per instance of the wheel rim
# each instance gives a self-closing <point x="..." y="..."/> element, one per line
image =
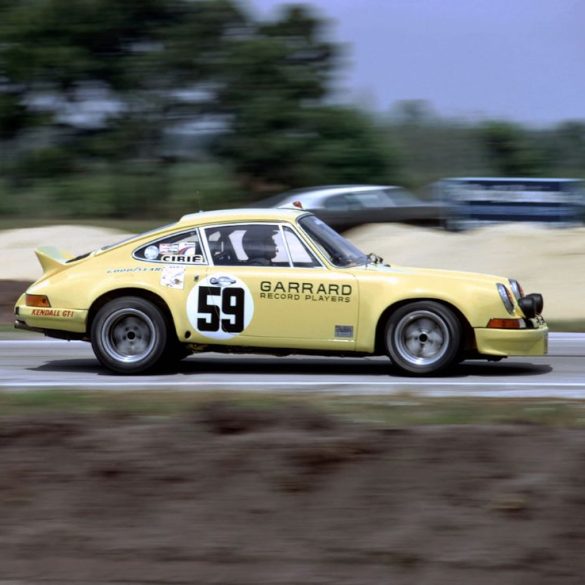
<point x="421" y="338"/>
<point x="128" y="335"/>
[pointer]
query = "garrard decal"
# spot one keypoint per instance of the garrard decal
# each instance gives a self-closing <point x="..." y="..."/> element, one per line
<point x="220" y="307"/>
<point x="306" y="291"/>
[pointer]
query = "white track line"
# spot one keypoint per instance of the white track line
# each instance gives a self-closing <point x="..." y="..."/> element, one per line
<point x="203" y="383"/>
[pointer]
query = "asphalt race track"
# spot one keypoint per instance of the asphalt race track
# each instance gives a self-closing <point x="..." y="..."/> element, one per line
<point x="32" y="364"/>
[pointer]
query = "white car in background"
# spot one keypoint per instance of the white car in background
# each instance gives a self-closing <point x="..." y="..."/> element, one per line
<point x="345" y="206"/>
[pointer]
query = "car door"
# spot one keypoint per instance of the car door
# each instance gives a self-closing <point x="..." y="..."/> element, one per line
<point x="287" y="298"/>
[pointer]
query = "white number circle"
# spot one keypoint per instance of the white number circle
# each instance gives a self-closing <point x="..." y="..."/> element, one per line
<point x="220" y="307"/>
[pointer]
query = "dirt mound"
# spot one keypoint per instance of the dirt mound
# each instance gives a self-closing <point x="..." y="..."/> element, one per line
<point x="549" y="261"/>
<point x="232" y="496"/>
<point x="19" y="261"/>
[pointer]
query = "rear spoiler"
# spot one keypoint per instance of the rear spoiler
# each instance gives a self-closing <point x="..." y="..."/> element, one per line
<point x="52" y="259"/>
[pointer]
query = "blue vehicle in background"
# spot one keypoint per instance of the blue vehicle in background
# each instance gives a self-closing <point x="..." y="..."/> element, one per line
<point x="471" y="202"/>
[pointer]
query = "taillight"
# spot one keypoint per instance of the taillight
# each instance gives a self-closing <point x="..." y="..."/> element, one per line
<point x="37" y="301"/>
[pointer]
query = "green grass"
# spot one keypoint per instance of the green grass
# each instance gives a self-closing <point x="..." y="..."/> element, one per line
<point x="400" y="411"/>
<point x="572" y="326"/>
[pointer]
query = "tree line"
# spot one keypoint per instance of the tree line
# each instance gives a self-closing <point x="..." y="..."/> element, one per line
<point x="153" y="108"/>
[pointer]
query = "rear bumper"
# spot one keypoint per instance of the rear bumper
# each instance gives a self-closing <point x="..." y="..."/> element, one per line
<point x="508" y="342"/>
<point x="50" y="319"/>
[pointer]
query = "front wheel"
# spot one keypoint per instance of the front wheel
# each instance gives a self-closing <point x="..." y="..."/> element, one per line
<point x="423" y="337"/>
<point x="129" y="335"/>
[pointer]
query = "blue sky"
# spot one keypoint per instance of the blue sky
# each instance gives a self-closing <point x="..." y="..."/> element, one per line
<point x="521" y="60"/>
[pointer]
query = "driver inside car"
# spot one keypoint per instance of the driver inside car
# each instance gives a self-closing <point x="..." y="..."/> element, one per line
<point x="259" y="245"/>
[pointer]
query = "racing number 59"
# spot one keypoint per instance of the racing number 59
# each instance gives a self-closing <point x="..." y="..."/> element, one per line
<point x="228" y="314"/>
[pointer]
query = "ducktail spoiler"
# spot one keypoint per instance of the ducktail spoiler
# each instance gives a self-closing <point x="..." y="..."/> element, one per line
<point x="52" y="259"/>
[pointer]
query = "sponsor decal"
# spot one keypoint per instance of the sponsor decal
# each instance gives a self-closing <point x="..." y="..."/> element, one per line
<point x="64" y="313"/>
<point x="178" y="259"/>
<point x="135" y="269"/>
<point x="169" y="248"/>
<point x="306" y="291"/>
<point x="173" y="277"/>
<point x="345" y="331"/>
<point x="151" y="253"/>
<point x="187" y="248"/>
<point x="220" y="307"/>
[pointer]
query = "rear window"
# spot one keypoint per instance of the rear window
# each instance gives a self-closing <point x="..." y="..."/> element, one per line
<point x="179" y="248"/>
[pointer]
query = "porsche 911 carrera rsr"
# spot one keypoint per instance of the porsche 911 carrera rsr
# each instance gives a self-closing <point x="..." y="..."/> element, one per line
<point x="276" y="281"/>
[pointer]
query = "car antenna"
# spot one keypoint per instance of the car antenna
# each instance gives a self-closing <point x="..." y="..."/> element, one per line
<point x="198" y="202"/>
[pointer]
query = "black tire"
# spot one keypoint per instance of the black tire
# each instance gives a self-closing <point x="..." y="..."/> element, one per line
<point x="129" y="335"/>
<point x="423" y="337"/>
<point x="174" y="353"/>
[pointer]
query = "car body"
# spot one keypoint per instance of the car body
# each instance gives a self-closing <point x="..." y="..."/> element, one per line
<point x="346" y="206"/>
<point x="277" y="281"/>
<point x="471" y="202"/>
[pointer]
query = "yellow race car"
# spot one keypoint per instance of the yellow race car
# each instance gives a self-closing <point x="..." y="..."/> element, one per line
<point x="276" y="281"/>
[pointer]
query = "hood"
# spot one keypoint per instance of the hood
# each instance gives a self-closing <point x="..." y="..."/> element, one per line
<point x="435" y="273"/>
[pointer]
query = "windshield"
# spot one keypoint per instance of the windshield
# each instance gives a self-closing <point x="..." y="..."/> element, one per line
<point x="336" y="248"/>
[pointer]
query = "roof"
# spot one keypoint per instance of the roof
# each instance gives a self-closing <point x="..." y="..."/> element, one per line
<point x="248" y="214"/>
<point x="313" y="195"/>
<point x="328" y="189"/>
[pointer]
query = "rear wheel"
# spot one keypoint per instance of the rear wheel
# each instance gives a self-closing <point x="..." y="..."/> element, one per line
<point x="423" y="337"/>
<point x="129" y="335"/>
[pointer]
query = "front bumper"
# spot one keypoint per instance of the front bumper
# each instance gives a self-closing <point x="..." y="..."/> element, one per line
<point x="507" y="342"/>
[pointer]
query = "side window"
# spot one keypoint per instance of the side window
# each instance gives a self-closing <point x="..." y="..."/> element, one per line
<point x="337" y="203"/>
<point x="354" y="201"/>
<point x="369" y="199"/>
<point x="300" y="255"/>
<point x="181" y="248"/>
<point x="246" y="245"/>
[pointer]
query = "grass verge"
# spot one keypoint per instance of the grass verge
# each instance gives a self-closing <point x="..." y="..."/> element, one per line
<point x="405" y="410"/>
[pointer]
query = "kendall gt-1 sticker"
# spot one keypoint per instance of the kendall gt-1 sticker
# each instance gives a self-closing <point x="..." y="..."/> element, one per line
<point x="173" y="277"/>
<point x="220" y="307"/>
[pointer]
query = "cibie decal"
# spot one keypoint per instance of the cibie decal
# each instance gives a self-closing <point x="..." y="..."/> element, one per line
<point x="220" y="307"/>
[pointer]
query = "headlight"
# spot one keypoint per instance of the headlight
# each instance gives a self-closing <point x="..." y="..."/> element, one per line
<point x="516" y="289"/>
<point x="506" y="296"/>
